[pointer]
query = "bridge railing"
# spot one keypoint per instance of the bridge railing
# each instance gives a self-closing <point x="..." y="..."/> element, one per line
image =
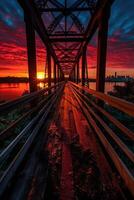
<point x="120" y="104"/>
<point x="15" y="148"/>
<point x="14" y="112"/>
<point x="6" y="107"/>
<point x="117" y="139"/>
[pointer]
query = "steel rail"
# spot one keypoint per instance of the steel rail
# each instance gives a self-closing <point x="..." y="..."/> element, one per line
<point x="116" y="139"/>
<point x="9" y="173"/>
<point x="117" y="123"/>
<point x="120" y="104"/>
<point x="6" y="152"/>
<point x="24" y="183"/>
<point x="121" y="167"/>
<point x="5" y="107"/>
<point x="6" y="132"/>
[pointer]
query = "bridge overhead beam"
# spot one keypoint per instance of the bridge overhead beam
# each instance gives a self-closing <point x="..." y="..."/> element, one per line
<point x="71" y="39"/>
<point x="33" y="14"/>
<point x="66" y="11"/>
<point x="102" y="50"/>
<point x="67" y="34"/>
<point x="31" y="52"/>
<point x="67" y="61"/>
<point x="101" y="8"/>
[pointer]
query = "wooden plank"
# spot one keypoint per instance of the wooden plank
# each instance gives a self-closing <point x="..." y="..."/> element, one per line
<point x="79" y="125"/>
<point x="67" y="188"/>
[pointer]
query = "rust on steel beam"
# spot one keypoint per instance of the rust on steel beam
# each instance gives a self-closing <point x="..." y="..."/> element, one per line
<point x="32" y="12"/>
<point x="31" y="52"/>
<point x="83" y="66"/>
<point x="102" y="5"/>
<point x="102" y="50"/>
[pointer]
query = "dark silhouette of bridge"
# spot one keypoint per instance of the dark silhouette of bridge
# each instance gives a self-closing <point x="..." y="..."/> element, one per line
<point x="67" y="141"/>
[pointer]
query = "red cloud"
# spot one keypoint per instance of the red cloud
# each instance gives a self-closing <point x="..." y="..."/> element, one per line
<point x="120" y="55"/>
<point x="13" y="52"/>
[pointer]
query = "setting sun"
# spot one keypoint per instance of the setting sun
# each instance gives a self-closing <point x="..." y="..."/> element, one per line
<point x="40" y="75"/>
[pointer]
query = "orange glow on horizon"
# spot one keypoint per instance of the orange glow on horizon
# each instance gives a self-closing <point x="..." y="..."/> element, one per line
<point x="40" y="75"/>
<point x="91" y="72"/>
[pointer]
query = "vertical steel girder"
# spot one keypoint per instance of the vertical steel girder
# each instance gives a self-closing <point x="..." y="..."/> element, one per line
<point x="49" y="67"/>
<point x="73" y="75"/>
<point x="55" y="72"/>
<point x="60" y="75"/>
<point x="98" y="10"/>
<point x="83" y="65"/>
<point x="102" y="50"/>
<point x="33" y="14"/>
<point x="31" y="52"/>
<point x="78" y="71"/>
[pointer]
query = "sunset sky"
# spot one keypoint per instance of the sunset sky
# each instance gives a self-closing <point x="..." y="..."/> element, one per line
<point x="13" y="55"/>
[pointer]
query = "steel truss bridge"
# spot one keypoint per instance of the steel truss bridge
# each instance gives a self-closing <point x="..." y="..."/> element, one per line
<point x="67" y="141"/>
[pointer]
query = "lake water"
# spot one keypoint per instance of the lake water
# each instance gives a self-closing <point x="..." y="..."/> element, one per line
<point x="10" y="91"/>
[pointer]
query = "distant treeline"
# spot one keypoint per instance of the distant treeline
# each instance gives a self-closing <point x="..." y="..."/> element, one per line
<point x="13" y="79"/>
